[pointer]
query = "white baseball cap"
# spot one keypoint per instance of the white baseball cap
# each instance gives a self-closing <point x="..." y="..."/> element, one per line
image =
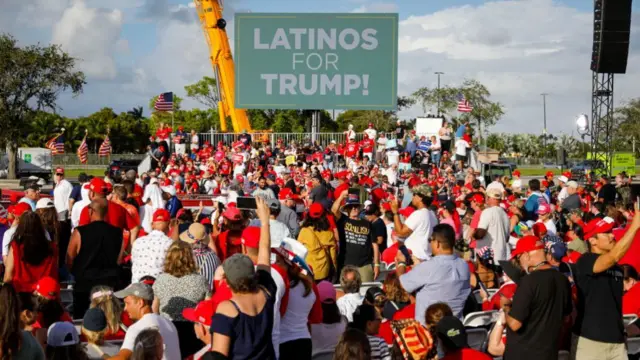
<point x="44" y="203"/>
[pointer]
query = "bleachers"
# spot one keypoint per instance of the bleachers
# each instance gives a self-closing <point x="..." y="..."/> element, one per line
<point x="480" y="318"/>
<point x="476" y="294"/>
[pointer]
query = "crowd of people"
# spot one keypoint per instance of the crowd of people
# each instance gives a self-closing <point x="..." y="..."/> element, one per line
<point x="369" y="249"/>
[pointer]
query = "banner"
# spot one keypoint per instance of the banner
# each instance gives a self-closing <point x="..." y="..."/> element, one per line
<point x="316" y="61"/>
<point x="623" y="162"/>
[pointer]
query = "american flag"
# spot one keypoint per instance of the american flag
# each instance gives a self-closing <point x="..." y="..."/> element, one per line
<point x="463" y="104"/>
<point x="83" y="151"/>
<point x="105" y="148"/>
<point x="56" y="145"/>
<point x="164" y="102"/>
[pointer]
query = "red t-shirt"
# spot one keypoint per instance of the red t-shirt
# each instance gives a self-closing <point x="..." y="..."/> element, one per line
<point x="367" y="146"/>
<point x="137" y="194"/>
<point x="116" y="216"/>
<point x="351" y="150"/>
<point x="467" y="354"/>
<point x="632" y="256"/>
<point x="340" y="189"/>
<point x="631" y="301"/>
<point x="25" y="275"/>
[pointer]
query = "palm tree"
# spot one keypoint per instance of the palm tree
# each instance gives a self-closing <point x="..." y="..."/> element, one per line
<point x="136" y="112"/>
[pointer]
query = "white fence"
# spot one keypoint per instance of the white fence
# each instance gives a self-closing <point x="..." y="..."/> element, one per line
<point x="323" y="139"/>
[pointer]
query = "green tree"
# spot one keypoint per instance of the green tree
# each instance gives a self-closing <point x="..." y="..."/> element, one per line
<point x="136" y="113"/>
<point x="205" y="92"/>
<point x="496" y="141"/>
<point x="31" y="78"/>
<point x="627" y="127"/>
<point x="485" y="112"/>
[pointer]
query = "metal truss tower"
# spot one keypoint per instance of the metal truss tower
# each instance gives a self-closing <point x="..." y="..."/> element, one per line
<point x="602" y="121"/>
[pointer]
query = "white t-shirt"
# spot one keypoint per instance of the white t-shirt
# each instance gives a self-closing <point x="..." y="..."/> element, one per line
<point x="194" y="141"/>
<point x="393" y="157"/>
<point x="77" y="211"/>
<point x="61" y="195"/>
<point x="551" y="227"/>
<point x="6" y="239"/>
<point x="461" y="147"/>
<point x="371" y="133"/>
<point x="564" y="193"/>
<point x="496" y="222"/>
<point x="325" y="337"/>
<point x="382" y="143"/>
<point x="166" y="329"/>
<point x="390" y="226"/>
<point x="279" y="169"/>
<point x="420" y="221"/>
<point x="348" y="304"/>
<point x="293" y="325"/>
<point x="280" y="290"/>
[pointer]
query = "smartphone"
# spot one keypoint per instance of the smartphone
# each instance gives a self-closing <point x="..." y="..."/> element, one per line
<point x="246" y="203"/>
<point x="403" y="249"/>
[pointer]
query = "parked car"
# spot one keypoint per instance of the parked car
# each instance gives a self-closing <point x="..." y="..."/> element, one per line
<point x="489" y="172"/>
<point x="118" y="168"/>
<point x="511" y="164"/>
<point x="550" y="165"/>
<point x="581" y="169"/>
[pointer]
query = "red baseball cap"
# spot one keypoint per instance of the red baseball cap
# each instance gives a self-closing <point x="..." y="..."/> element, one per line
<point x="406" y="211"/>
<point x="48" y="288"/>
<point x="285" y="194"/>
<point x="544" y="183"/>
<point x="59" y="170"/>
<point x="341" y="175"/>
<point x="251" y="237"/>
<point x="202" y="313"/>
<point x="516" y="173"/>
<point x="386" y="206"/>
<point x="20" y="208"/>
<point x="232" y="213"/>
<point x="539" y="230"/>
<point x="479" y="198"/>
<point x="603" y="226"/>
<point x="161" y="215"/>
<point x="98" y="186"/>
<point x="543" y="209"/>
<point x="549" y="174"/>
<point x="239" y="178"/>
<point x="526" y="244"/>
<point x="316" y="210"/>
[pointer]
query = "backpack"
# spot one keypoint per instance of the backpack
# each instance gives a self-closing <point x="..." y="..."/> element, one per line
<point x="201" y="188"/>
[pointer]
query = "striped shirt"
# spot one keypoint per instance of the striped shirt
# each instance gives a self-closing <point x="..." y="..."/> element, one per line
<point x="206" y="260"/>
<point x="379" y="348"/>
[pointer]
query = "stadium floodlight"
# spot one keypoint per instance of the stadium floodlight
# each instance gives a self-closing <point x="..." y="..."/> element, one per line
<point x="582" y="122"/>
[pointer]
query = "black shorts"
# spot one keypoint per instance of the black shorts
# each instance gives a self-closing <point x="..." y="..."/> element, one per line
<point x="461" y="157"/>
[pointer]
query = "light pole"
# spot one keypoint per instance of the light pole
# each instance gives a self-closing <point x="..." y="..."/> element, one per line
<point x="544" y="129"/>
<point x="439" y="73"/>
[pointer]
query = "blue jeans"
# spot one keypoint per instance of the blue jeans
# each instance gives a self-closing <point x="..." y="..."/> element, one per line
<point x="435" y="158"/>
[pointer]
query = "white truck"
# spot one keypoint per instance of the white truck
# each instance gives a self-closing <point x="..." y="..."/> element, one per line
<point x="36" y="162"/>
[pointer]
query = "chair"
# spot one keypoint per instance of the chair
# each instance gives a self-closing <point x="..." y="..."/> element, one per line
<point x="563" y="355"/>
<point x="633" y="345"/>
<point x="477" y="338"/>
<point x="476" y="294"/>
<point x="629" y="319"/>
<point x="480" y="318"/>
<point x="325" y="355"/>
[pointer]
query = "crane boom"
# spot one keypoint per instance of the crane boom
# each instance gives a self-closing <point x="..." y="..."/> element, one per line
<point x="213" y="25"/>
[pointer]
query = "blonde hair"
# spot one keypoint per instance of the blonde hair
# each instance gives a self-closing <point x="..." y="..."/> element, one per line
<point x="94" y="337"/>
<point x="102" y="297"/>
<point x="179" y="261"/>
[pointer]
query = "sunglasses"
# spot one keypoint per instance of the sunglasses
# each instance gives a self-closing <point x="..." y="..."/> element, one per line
<point x="59" y="174"/>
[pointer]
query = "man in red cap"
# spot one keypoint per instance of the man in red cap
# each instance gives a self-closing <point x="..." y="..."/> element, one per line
<point x="287" y="213"/>
<point x="94" y="253"/>
<point x="371" y="131"/>
<point x="148" y="253"/>
<point x="16" y="211"/>
<point x="540" y="306"/>
<point x="116" y="214"/>
<point x="598" y="332"/>
<point x="62" y="195"/>
<point x="201" y="316"/>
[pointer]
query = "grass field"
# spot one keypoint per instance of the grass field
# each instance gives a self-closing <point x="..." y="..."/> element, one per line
<point x="540" y="171"/>
<point x="73" y="173"/>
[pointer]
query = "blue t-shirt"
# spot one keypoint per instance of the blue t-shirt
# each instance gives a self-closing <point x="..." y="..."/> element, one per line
<point x="460" y="131"/>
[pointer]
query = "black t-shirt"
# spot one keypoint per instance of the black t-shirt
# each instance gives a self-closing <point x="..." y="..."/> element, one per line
<point x="355" y="239"/>
<point x="379" y="229"/>
<point x="599" y="302"/>
<point x="400" y="132"/>
<point x="542" y="300"/>
<point x="608" y="193"/>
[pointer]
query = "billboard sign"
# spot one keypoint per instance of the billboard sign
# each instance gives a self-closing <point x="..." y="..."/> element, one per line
<point x="316" y="61"/>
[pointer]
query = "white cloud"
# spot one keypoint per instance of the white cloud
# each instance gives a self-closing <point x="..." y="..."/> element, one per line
<point x="93" y="36"/>
<point x="378" y="7"/>
<point x="518" y="49"/>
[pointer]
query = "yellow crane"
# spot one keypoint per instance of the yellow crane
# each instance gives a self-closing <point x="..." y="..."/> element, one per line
<point x="213" y="25"/>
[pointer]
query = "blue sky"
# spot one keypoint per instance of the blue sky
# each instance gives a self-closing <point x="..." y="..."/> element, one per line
<point x="132" y="50"/>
